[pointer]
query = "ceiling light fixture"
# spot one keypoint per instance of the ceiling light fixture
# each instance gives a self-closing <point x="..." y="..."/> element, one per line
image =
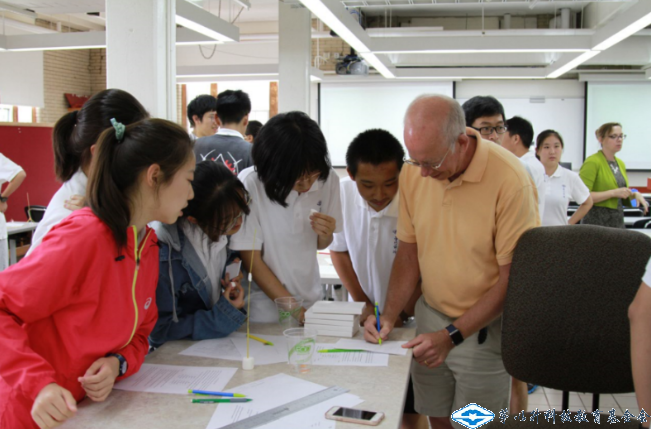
<point x="195" y="18"/>
<point x="573" y="64"/>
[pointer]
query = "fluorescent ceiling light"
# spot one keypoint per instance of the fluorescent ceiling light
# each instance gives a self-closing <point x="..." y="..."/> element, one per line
<point x="227" y="75"/>
<point x="318" y="8"/>
<point x="479" y="51"/>
<point x="573" y="64"/>
<point x="195" y="18"/>
<point x="377" y="64"/>
<point x="624" y="33"/>
<point x="470" y="77"/>
<point x="21" y="11"/>
<point x="58" y="41"/>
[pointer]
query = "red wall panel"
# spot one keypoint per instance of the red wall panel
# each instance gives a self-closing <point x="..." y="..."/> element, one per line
<point x="31" y="148"/>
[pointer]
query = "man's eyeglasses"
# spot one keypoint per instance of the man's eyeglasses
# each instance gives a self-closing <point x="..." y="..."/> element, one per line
<point x="617" y="136"/>
<point x="487" y="131"/>
<point x="426" y="165"/>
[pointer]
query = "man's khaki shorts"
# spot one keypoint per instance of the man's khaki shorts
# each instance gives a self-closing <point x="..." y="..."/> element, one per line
<point x="472" y="372"/>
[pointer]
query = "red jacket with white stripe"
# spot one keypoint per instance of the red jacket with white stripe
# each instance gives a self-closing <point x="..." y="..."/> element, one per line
<point x="72" y="301"/>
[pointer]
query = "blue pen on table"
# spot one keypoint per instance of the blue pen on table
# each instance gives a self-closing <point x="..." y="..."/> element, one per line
<point x="377" y="319"/>
<point x="207" y="392"/>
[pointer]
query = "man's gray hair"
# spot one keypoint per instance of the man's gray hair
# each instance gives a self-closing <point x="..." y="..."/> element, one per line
<point x="455" y="123"/>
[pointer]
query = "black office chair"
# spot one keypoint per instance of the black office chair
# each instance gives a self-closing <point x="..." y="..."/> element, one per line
<point x="565" y="324"/>
<point x="35" y="213"/>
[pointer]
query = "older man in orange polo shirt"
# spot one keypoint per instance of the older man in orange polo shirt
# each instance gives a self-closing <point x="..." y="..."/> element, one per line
<point x="464" y="203"/>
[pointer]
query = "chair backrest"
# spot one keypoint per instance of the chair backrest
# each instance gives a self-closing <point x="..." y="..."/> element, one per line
<point x="565" y="323"/>
<point x="35" y="213"/>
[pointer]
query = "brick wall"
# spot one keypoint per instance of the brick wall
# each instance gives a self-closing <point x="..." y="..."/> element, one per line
<point x="97" y="69"/>
<point x="63" y="72"/>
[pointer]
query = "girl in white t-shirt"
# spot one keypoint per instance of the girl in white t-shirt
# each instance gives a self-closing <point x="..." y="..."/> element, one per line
<point x="295" y="209"/>
<point x="73" y="140"/>
<point x="563" y="185"/>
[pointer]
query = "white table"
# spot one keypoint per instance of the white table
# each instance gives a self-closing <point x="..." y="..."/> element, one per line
<point x="382" y="389"/>
<point x="14" y="228"/>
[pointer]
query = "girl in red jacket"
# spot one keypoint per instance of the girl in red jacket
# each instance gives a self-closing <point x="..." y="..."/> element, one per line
<point x="76" y="314"/>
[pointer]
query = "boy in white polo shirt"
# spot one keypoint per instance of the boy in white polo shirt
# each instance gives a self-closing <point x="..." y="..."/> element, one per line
<point x="363" y="252"/>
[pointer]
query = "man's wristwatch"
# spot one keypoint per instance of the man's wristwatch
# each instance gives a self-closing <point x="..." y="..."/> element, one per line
<point x="455" y="334"/>
<point x="124" y="366"/>
<point x="3" y="199"/>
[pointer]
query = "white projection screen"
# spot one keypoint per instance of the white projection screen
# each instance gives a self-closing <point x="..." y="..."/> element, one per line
<point x="347" y="109"/>
<point x="628" y="104"/>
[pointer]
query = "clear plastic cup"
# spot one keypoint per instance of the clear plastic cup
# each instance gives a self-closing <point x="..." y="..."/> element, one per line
<point x="289" y="308"/>
<point x="301" y="346"/>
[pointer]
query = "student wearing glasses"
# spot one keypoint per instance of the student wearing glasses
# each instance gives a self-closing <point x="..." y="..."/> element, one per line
<point x="486" y="115"/>
<point x="605" y="176"/>
<point x="295" y="210"/>
<point x="196" y="299"/>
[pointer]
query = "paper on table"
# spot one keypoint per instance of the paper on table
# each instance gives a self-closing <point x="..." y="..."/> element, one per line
<point x="268" y="393"/>
<point x="219" y="348"/>
<point x="314" y="416"/>
<point x="263" y="354"/>
<point x="349" y="358"/>
<point x="176" y="379"/>
<point x="388" y="347"/>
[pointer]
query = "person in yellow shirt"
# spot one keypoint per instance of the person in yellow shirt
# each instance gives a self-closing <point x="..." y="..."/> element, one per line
<point x="464" y="203"/>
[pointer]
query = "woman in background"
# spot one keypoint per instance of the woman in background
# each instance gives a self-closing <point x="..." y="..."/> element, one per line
<point x="605" y="176"/>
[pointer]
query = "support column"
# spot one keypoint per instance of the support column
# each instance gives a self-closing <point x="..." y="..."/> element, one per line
<point x="295" y="56"/>
<point x="141" y="52"/>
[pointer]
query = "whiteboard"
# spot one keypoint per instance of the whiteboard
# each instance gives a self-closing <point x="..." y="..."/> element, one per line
<point x="347" y="109"/>
<point x="564" y="115"/>
<point x="629" y="104"/>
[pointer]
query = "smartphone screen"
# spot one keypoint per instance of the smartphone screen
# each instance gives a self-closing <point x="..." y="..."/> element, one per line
<point x="233" y="270"/>
<point x="354" y="414"/>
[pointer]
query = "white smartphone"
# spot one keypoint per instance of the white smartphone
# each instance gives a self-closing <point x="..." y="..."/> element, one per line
<point x="351" y="415"/>
<point x="233" y="270"/>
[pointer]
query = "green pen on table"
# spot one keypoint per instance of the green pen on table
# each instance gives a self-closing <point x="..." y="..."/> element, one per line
<point x="219" y="400"/>
<point x="339" y="350"/>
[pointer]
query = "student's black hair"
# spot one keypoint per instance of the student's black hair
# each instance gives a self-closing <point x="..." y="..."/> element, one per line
<point x="547" y="133"/>
<point x="517" y="126"/>
<point x="374" y="147"/>
<point x="288" y="147"/>
<point x="253" y="128"/>
<point x="219" y="196"/>
<point x="481" y="106"/>
<point x="76" y="131"/>
<point x="118" y="165"/>
<point x="233" y="106"/>
<point x="200" y="106"/>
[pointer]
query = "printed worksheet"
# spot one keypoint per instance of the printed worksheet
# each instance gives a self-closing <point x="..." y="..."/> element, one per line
<point x="219" y="348"/>
<point x="176" y="379"/>
<point x="274" y="391"/>
<point x="263" y="354"/>
<point x="348" y="358"/>
<point x="388" y="347"/>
